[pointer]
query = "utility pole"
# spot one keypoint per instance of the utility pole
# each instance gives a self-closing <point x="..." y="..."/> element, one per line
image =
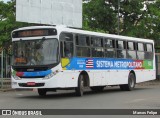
<point x="118" y="16"/>
<point x="1" y="69"/>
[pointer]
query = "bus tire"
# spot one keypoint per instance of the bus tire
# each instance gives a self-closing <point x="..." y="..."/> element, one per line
<point x="42" y="92"/>
<point x="131" y="83"/>
<point x="97" y="88"/>
<point x="80" y="89"/>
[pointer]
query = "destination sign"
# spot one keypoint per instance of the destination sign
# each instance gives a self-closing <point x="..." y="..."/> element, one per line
<point x="34" y="33"/>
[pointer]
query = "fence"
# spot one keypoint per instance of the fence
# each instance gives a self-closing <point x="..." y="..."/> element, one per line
<point x="5" y="84"/>
<point x="5" y="71"/>
<point x="5" y="65"/>
<point x="158" y="66"/>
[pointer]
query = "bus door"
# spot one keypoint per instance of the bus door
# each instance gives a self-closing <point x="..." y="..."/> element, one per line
<point x="66" y="48"/>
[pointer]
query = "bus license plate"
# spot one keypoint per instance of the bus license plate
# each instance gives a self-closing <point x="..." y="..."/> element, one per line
<point x="31" y="83"/>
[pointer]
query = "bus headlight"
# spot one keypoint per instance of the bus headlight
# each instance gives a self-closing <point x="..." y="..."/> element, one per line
<point x="16" y="77"/>
<point x="51" y="75"/>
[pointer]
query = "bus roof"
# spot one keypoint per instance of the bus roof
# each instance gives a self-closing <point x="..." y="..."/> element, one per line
<point x="62" y="28"/>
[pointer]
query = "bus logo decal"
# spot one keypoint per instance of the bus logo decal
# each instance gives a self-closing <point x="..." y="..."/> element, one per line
<point x="89" y="63"/>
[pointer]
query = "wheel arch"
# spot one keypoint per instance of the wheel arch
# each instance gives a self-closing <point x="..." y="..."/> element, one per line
<point x="85" y="77"/>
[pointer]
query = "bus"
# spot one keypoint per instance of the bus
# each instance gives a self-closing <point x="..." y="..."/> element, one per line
<point x="49" y="58"/>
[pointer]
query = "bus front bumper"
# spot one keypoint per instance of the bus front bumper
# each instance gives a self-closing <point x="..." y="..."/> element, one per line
<point x="35" y="83"/>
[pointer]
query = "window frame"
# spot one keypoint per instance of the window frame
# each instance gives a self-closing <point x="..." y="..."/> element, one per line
<point x="92" y="37"/>
<point x="81" y="46"/>
<point x="137" y="47"/>
<point x="148" y="52"/>
<point x="63" y="41"/>
<point x="131" y="50"/>
<point x="122" y="49"/>
<point x="104" y="47"/>
<point x="113" y="47"/>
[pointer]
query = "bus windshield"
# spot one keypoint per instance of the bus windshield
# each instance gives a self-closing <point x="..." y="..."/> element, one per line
<point x="35" y="52"/>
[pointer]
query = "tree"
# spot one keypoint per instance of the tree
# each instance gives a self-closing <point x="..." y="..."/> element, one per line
<point x="138" y="18"/>
<point x="99" y="15"/>
<point x="153" y="19"/>
<point x="131" y="13"/>
<point x="7" y="21"/>
<point x="153" y="22"/>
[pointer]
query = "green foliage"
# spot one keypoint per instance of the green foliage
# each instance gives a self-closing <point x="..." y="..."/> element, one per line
<point x="154" y="19"/>
<point x="7" y="21"/>
<point x="102" y="15"/>
<point x="99" y="16"/>
<point x="131" y="15"/>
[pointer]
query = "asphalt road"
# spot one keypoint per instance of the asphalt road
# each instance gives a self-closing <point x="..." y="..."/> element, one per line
<point x="145" y="96"/>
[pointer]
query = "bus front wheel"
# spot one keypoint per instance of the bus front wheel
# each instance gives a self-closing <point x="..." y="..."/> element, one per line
<point x="42" y="92"/>
<point x="80" y="88"/>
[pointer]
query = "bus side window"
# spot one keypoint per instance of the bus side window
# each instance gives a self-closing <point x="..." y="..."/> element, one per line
<point x="66" y="45"/>
<point x="131" y="50"/>
<point x="82" y="40"/>
<point x="149" y="51"/>
<point x="82" y="45"/>
<point x="140" y="51"/>
<point x="109" y="47"/>
<point x="121" y="51"/>
<point x="68" y="49"/>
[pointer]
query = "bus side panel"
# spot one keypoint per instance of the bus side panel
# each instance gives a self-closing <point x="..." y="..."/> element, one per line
<point x="145" y="75"/>
<point x="105" y="76"/>
<point x="91" y="78"/>
<point x="112" y="77"/>
<point x="97" y="78"/>
<point x="118" y="77"/>
<point x="70" y="78"/>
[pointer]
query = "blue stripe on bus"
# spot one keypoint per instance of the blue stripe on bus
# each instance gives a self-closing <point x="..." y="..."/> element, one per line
<point x="107" y="63"/>
<point x="37" y="73"/>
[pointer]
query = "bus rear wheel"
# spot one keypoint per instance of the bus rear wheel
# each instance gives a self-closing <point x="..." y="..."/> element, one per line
<point x="80" y="89"/>
<point x="42" y="92"/>
<point x="131" y="83"/>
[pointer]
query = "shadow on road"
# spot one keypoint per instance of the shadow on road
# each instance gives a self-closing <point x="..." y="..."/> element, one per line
<point x="71" y="94"/>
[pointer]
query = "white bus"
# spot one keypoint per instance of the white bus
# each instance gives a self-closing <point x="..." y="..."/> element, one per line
<point x="56" y="57"/>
